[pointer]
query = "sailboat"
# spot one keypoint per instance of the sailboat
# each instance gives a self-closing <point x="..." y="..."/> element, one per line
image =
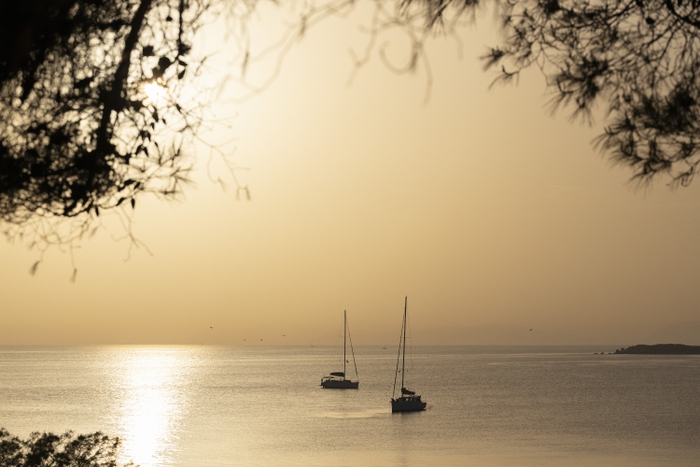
<point x="409" y="401"/>
<point x="337" y="380"/>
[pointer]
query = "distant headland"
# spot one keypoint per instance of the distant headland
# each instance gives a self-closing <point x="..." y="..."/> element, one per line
<point x="661" y="349"/>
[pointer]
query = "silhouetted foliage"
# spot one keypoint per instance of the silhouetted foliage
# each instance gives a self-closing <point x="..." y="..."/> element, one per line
<point x="65" y="450"/>
<point x="640" y="58"/>
<point x="79" y="132"/>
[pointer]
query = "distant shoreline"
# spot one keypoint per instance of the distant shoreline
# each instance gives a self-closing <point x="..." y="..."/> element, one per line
<point x="661" y="349"/>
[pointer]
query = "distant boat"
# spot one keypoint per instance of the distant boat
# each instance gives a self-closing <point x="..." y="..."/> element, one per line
<point x="337" y="380"/>
<point x="409" y="401"/>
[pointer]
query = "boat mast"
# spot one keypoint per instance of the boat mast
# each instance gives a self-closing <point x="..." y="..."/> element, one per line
<point x="398" y="359"/>
<point x="403" y="357"/>
<point x="357" y="375"/>
<point x="345" y="331"/>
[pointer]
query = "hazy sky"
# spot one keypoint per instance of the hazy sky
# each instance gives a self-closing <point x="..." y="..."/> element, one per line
<point x="492" y="216"/>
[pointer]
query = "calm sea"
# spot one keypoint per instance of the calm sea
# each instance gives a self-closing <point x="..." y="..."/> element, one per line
<point x="241" y="406"/>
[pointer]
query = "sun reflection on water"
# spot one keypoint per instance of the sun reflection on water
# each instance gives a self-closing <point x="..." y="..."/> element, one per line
<point x="153" y="403"/>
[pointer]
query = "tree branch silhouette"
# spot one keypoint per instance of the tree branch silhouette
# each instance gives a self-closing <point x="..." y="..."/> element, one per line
<point x="637" y="58"/>
<point x="80" y="135"/>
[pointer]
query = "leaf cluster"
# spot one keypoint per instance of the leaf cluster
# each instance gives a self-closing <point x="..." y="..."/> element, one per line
<point x="640" y="59"/>
<point x="78" y="133"/>
<point x="64" y="450"/>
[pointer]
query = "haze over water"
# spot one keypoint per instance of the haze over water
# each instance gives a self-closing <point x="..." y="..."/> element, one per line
<point x="192" y="406"/>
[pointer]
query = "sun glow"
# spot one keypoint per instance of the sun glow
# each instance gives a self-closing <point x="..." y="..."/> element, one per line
<point x="156" y="92"/>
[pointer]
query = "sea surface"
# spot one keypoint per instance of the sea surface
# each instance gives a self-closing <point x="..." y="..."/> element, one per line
<point x="187" y="406"/>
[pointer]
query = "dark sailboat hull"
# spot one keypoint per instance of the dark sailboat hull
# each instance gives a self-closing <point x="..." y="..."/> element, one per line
<point x="407" y="404"/>
<point x="336" y="380"/>
<point x="339" y="384"/>
<point x="409" y="400"/>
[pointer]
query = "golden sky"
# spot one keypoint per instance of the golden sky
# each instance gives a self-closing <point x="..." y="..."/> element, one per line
<point x="491" y="215"/>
